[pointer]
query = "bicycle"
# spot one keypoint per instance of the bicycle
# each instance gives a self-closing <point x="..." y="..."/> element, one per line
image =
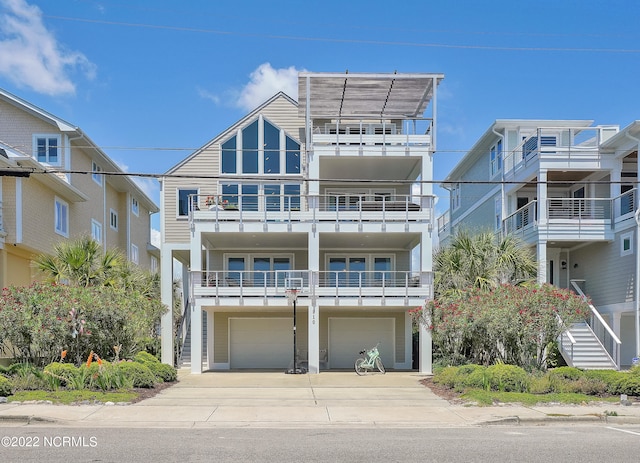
<point x="367" y="363"/>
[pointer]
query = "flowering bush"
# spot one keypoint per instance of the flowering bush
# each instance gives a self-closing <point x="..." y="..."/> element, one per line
<point x="39" y="322"/>
<point x="508" y="324"/>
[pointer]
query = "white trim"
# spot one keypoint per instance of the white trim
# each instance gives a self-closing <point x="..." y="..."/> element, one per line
<point x="47" y="136"/>
<point x="98" y="178"/>
<point x="623" y="237"/>
<point x="113" y="213"/>
<point x="135" y="254"/>
<point x="95" y="225"/>
<point x="178" y="190"/>
<point x="64" y="230"/>
<point x="19" y="210"/>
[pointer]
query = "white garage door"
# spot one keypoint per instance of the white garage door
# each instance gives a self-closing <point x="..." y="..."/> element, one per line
<point x="348" y="336"/>
<point x="260" y="342"/>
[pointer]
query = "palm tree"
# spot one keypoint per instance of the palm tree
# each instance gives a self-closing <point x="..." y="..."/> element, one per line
<point x="81" y="262"/>
<point x="483" y="261"/>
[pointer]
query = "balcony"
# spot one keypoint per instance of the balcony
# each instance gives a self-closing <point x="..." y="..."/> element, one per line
<point x="347" y="207"/>
<point x="323" y="284"/>
<point x="358" y="137"/>
<point x="558" y="148"/>
<point x="572" y="218"/>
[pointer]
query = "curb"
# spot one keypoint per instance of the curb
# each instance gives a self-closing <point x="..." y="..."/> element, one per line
<point x="27" y="419"/>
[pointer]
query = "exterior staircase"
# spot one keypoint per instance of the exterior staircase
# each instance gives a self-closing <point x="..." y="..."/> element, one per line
<point x="185" y="357"/>
<point x="582" y="349"/>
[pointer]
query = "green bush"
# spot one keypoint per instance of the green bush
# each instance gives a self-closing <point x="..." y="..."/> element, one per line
<point x="571" y="373"/>
<point x="139" y="374"/>
<point x="27" y="377"/>
<point x="471" y="376"/>
<point x="145" y="357"/>
<point x="5" y="387"/>
<point x="611" y="378"/>
<point x="540" y="384"/>
<point x="64" y="373"/>
<point x="446" y="376"/>
<point x="629" y="384"/>
<point x="507" y="378"/>
<point x="163" y="372"/>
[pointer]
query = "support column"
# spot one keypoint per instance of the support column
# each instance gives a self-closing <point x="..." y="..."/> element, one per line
<point x="195" y="278"/>
<point x="425" y="345"/>
<point x="425" y="365"/>
<point x="210" y="343"/>
<point x="542" y="261"/>
<point x="313" y="311"/>
<point x="166" y="297"/>
<point x="542" y="198"/>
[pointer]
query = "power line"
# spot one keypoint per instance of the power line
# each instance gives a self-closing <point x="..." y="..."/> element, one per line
<point x="339" y="40"/>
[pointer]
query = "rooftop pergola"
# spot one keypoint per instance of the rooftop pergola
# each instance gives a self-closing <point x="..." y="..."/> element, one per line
<point x="331" y="95"/>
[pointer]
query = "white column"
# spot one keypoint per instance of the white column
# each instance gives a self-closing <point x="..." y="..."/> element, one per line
<point x="542" y="197"/>
<point x="196" y="307"/>
<point x="313" y="313"/>
<point x="542" y="261"/>
<point x="210" y="342"/>
<point x="425" y="364"/>
<point x="166" y="296"/>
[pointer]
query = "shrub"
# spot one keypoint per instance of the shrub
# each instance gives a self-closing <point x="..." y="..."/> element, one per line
<point x="64" y="373"/>
<point x="106" y="376"/>
<point x="507" y="378"/>
<point x="145" y="357"/>
<point x="163" y="372"/>
<point x="446" y="376"/>
<point x="540" y="384"/>
<point x="5" y="387"/>
<point x="27" y="377"/>
<point x="611" y="378"/>
<point x="471" y="376"/>
<point x="139" y="374"/>
<point x="629" y="384"/>
<point x="566" y="373"/>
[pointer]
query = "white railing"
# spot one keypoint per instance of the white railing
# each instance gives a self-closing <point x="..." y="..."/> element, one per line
<point x="312" y="208"/>
<point x="559" y="142"/>
<point x="354" y="131"/>
<point x="579" y="208"/>
<point x="444" y="224"/>
<point x="626" y="203"/>
<point x="323" y="283"/>
<point x="1" y="223"/>
<point x="600" y="328"/>
<point x="521" y="219"/>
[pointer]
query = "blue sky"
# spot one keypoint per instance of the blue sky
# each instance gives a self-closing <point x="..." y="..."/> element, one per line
<point x="151" y="80"/>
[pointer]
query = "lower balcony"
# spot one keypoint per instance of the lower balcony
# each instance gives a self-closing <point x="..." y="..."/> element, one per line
<point x="322" y="284"/>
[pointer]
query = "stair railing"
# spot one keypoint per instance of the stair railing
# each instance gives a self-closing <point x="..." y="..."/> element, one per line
<point x="181" y="332"/>
<point x="600" y="328"/>
<point x="561" y="342"/>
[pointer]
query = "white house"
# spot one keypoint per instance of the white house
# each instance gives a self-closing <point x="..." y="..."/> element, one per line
<point x="322" y="195"/>
<point x="568" y="189"/>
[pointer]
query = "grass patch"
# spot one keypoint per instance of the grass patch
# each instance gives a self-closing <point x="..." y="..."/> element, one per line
<point x="482" y="397"/>
<point x="75" y="396"/>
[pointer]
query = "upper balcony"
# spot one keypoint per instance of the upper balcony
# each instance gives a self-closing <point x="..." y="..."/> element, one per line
<point x="336" y="208"/>
<point x="572" y="219"/>
<point x="367" y="137"/>
<point x="558" y="148"/>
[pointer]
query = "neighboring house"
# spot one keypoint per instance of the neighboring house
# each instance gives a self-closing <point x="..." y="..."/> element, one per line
<point x="569" y="190"/>
<point x="321" y="195"/>
<point x="59" y="200"/>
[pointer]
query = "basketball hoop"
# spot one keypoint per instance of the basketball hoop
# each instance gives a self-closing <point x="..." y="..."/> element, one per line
<point x="292" y="294"/>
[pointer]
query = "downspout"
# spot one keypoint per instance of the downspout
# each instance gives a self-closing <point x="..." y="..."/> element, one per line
<point x="637" y="217"/>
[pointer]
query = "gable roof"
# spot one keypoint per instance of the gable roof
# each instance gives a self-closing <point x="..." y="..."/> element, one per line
<point x="120" y="182"/>
<point x="232" y="128"/>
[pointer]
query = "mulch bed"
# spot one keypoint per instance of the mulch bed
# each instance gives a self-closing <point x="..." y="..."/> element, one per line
<point x="148" y="392"/>
<point x="443" y="392"/>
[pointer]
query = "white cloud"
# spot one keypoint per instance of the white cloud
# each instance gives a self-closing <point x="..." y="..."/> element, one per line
<point x="207" y="95"/>
<point x="267" y="81"/>
<point x="31" y="56"/>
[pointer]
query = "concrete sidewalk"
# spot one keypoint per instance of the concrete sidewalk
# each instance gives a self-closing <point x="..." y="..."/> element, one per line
<point x="273" y="399"/>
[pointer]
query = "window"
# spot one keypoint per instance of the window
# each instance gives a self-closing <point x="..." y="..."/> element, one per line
<point x="363" y="270"/>
<point x="626" y="244"/>
<point x="95" y="175"/>
<point x="96" y="230"/>
<point x="61" y="217"/>
<point x="184" y="197"/>
<point x="113" y="219"/>
<point x="134" y="206"/>
<point x="498" y="214"/>
<point x="261" y="149"/>
<point x="134" y="254"/>
<point x="154" y="264"/>
<point x="496" y="158"/>
<point x="47" y="149"/>
<point x="455" y="196"/>
<point x="250" y="197"/>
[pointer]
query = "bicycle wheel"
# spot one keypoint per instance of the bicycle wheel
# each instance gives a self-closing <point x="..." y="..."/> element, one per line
<point x="380" y="366"/>
<point x="360" y="369"/>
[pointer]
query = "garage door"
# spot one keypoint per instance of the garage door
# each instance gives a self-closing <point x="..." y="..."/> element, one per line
<point x="348" y="336"/>
<point x="260" y="342"/>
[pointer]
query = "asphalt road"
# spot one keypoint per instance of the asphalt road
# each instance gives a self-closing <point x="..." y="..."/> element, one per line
<point x="583" y="444"/>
